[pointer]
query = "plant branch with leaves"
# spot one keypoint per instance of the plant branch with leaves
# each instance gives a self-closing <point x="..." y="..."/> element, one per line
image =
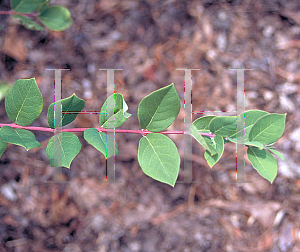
<point x="157" y="154"/>
<point x="54" y="17"/>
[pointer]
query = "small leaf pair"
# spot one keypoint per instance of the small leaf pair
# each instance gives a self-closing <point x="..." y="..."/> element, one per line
<point x="23" y="104"/>
<point x="55" y="17"/>
<point x="157" y="154"/>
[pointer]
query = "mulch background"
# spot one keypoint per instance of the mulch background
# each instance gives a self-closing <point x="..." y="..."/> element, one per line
<point x="149" y="40"/>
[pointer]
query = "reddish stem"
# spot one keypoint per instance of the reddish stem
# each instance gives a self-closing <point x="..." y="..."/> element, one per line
<point x="12" y="12"/>
<point x="6" y="12"/>
<point x="142" y="132"/>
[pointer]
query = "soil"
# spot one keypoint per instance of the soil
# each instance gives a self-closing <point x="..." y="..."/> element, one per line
<point x="149" y="40"/>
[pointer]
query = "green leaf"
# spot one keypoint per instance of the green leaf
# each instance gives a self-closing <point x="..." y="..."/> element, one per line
<point x="202" y="123"/>
<point x="70" y="104"/>
<point x="69" y="146"/>
<point x="223" y="125"/>
<point x="100" y="141"/>
<point x="268" y="129"/>
<point x="251" y="143"/>
<point x="263" y="162"/>
<point x="158" y="110"/>
<point x="205" y="141"/>
<point x="3" y="146"/>
<point x="26" y="6"/>
<point x="4" y="87"/>
<point x="28" y="23"/>
<point x="250" y="117"/>
<point x="219" y="146"/>
<point x="55" y="17"/>
<point x="20" y="137"/>
<point x="158" y="157"/>
<point x="276" y="153"/>
<point x="24" y="102"/>
<point x="119" y="116"/>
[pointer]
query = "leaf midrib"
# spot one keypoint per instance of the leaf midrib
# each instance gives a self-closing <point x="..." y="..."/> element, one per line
<point x="22" y="103"/>
<point x="157" y="107"/>
<point x="265" y="129"/>
<point x="266" y="173"/>
<point x="158" y="158"/>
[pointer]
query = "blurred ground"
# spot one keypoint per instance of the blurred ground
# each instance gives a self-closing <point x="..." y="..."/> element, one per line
<point x="149" y="40"/>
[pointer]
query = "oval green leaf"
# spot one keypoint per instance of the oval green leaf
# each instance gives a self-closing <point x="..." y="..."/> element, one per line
<point x="159" y="159"/>
<point x="24" y="102"/>
<point x="219" y="147"/>
<point x="117" y="104"/>
<point x="158" y="110"/>
<point x="202" y="123"/>
<point x="55" y="17"/>
<point x="268" y="128"/>
<point x="26" y="6"/>
<point x="250" y="117"/>
<point x="20" y="137"/>
<point x="70" y="104"/>
<point x="223" y="125"/>
<point x="68" y="147"/>
<point x="102" y="142"/>
<point x="205" y="141"/>
<point x="263" y="162"/>
<point x="28" y="23"/>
